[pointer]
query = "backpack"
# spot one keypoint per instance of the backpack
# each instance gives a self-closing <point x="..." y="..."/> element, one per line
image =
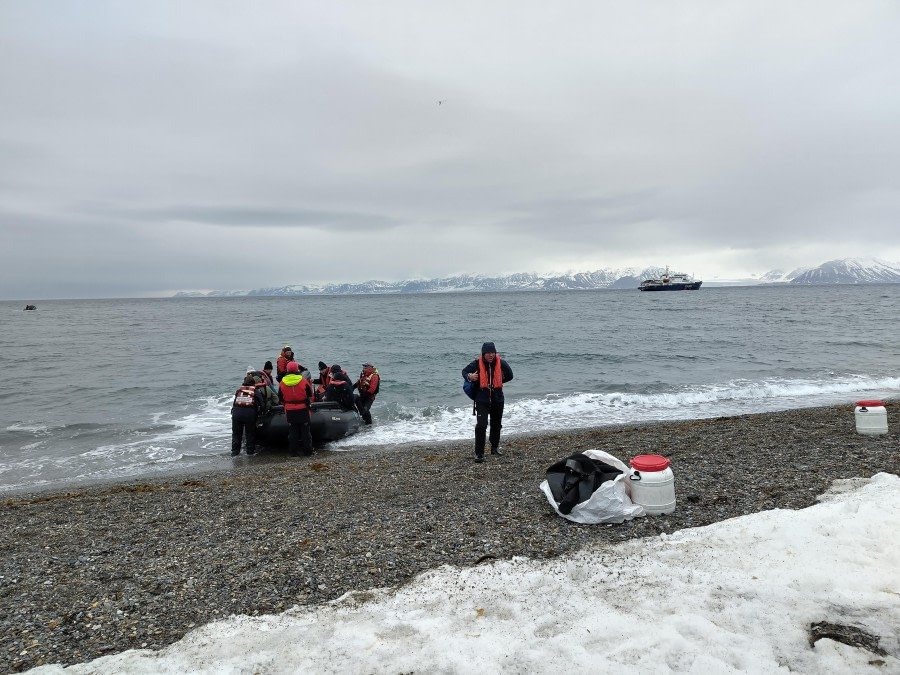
<point x="470" y="389"/>
<point x="574" y="479"/>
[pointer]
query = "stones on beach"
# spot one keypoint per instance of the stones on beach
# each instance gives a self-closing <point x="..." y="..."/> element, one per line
<point x="140" y="566"/>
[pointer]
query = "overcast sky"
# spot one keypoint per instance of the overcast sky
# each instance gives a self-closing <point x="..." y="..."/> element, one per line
<point x="154" y="146"/>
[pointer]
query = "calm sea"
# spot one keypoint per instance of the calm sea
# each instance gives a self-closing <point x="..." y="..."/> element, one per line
<point x="100" y="390"/>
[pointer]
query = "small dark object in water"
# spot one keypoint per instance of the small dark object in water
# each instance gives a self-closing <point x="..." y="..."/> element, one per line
<point x="30" y="307"/>
<point x="849" y="635"/>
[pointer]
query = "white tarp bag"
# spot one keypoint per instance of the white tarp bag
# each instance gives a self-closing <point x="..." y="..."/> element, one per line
<point x="610" y="503"/>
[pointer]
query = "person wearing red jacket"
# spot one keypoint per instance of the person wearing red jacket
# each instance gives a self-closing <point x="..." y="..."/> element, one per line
<point x="284" y="358"/>
<point x="369" y="383"/>
<point x="322" y="381"/>
<point x="296" y="392"/>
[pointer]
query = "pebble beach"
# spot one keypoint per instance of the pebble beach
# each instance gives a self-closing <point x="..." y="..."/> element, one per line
<point x="104" y="569"/>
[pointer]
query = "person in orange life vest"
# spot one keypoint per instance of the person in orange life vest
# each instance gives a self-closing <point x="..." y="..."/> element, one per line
<point x="248" y="403"/>
<point x="296" y="392"/>
<point x="284" y="358"/>
<point x="270" y="378"/>
<point x="340" y="388"/>
<point x="267" y="371"/>
<point x="489" y="373"/>
<point x="322" y="381"/>
<point x="369" y="383"/>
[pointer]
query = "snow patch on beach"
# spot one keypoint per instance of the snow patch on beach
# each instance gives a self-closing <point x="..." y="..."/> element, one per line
<point x="734" y="597"/>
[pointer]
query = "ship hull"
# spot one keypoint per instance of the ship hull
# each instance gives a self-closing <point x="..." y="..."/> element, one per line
<point x="693" y="286"/>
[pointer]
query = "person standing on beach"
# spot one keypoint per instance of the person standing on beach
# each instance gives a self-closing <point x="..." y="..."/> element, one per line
<point x="489" y="373"/>
<point x="248" y="403"/>
<point x="297" y="393"/>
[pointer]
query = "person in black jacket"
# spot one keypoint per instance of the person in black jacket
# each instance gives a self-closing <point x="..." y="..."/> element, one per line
<point x="489" y="373"/>
<point x="340" y="388"/>
<point x="248" y="403"/>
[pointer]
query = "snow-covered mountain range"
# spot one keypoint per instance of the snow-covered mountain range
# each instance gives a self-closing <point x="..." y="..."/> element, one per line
<point x="851" y="271"/>
<point x="846" y="271"/>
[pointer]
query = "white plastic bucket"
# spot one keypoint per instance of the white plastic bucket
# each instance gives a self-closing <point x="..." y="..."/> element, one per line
<point x="871" y="417"/>
<point x="652" y="484"/>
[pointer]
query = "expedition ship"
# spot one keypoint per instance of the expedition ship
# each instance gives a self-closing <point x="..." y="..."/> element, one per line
<point x="671" y="282"/>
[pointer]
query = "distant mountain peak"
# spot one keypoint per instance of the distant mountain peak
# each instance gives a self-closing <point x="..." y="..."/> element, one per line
<point x="851" y="271"/>
<point x="844" y="271"/>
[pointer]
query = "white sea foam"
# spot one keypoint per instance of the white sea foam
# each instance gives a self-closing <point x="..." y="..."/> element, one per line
<point x="203" y="435"/>
<point x="29" y="427"/>
<point x="571" y="411"/>
<point x="210" y="421"/>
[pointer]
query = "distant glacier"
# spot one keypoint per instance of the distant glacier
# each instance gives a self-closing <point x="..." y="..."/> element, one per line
<point x="845" y="271"/>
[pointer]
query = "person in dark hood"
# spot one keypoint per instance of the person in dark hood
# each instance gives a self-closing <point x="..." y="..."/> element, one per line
<point x="340" y="388"/>
<point x="248" y="404"/>
<point x="267" y="369"/>
<point x="489" y="373"/>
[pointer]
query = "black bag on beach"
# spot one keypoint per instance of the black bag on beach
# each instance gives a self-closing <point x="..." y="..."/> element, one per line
<point x="574" y="479"/>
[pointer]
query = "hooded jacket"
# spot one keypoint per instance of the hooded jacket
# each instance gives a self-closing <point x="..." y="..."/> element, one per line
<point x="295" y="390"/>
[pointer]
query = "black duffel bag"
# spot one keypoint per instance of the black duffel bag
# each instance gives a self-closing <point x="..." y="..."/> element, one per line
<point x="573" y="480"/>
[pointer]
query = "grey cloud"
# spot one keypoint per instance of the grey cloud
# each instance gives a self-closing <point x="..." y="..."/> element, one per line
<point x="579" y="217"/>
<point x="582" y="133"/>
<point x="246" y="216"/>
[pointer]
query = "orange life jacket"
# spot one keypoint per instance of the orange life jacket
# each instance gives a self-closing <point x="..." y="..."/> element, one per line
<point x="296" y="392"/>
<point x="324" y="380"/>
<point x="493" y="380"/>
<point x="244" y="397"/>
<point x="281" y="364"/>
<point x="369" y="381"/>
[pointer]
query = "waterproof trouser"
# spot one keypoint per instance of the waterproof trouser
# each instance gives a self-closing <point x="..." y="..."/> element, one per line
<point x="363" y="403"/>
<point x="239" y="429"/>
<point x="483" y="412"/>
<point x="299" y="436"/>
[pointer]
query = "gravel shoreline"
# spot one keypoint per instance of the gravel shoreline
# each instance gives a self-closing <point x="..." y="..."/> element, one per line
<point x="109" y="568"/>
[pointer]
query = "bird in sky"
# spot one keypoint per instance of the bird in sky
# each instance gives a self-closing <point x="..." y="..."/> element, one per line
<point x="442" y="101"/>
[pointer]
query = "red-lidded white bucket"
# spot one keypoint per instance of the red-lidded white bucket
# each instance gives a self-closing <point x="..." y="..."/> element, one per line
<point x="871" y="417"/>
<point x="652" y="484"/>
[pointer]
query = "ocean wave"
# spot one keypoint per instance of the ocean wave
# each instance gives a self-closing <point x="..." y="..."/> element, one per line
<point x="202" y="436"/>
<point x="557" y="412"/>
